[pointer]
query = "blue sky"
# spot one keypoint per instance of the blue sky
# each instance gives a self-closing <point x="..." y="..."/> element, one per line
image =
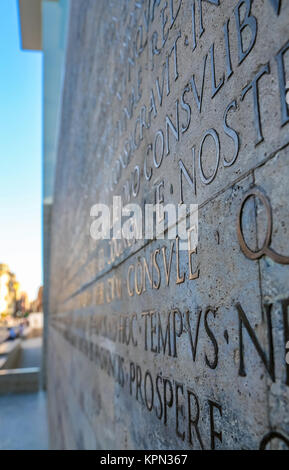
<point x="20" y="153"/>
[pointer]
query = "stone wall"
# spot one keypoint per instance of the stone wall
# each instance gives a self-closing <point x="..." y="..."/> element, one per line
<point x="151" y="346"/>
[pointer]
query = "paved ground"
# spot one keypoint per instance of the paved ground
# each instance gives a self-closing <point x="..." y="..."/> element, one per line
<point x="31" y="351"/>
<point x="3" y="334"/>
<point x="23" y="422"/>
<point x="23" y="418"/>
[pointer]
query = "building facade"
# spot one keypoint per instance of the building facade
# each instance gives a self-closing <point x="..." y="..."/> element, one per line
<point x="10" y="293"/>
<point x="153" y="345"/>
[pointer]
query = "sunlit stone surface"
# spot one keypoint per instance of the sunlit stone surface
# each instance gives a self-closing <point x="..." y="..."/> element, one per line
<point x="151" y="346"/>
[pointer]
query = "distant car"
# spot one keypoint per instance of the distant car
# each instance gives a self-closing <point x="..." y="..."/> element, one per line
<point x="13" y="333"/>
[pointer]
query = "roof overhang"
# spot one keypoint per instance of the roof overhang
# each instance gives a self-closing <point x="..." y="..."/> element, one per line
<point x="30" y="12"/>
